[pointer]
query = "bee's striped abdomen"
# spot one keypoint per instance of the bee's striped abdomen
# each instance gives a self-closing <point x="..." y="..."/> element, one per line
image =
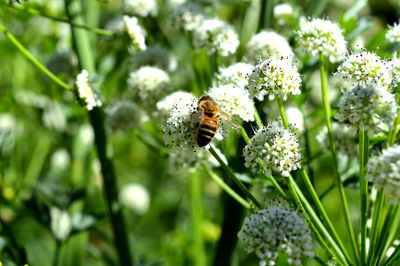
<point x="207" y="129"/>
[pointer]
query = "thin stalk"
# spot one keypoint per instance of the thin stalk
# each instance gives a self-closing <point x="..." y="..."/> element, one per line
<point x="56" y="256"/>
<point x="36" y="12"/>
<point x="363" y="194"/>
<point x="282" y="111"/>
<point x="236" y="180"/>
<point x="225" y="187"/>
<point x="393" y="133"/>
<point x="377" y="223"/>
<point x="31" y="58"/>
<point x="327" y="108"/>
<point x="258" y="119"/>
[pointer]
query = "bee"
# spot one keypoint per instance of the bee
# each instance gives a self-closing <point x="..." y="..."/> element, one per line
<point x="208" y="115"/>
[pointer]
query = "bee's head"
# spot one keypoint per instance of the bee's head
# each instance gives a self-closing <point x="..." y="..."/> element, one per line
<point x="208" y="106"/>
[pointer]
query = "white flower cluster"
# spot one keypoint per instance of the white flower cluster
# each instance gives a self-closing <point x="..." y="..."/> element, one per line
<point x="215" y="35"/>
<point x="384" y="172"/>
<point x="235" y="74"/>
<point x="395" y="67"/>
<point x="283" y="14"/>
<point x="274" y="77"/>
<point x="321" y="36"/>
<point x="142" y="8"/>
<point x="393" y="34"/>
<point x="233" y="101"/>
<point x="267" y="44"/>
<point x="165" y="105"/>
<point x="60" y="223"/>
<point x="85" y="91"/>
<point x="274" y="230"/>
<point x="135" y="32"/>
<point x="365" y="67"/>
<point x="187" y="15"/>
<point x="123" y="115"/>
<point x="136" y="197"/>
<point x="366" y="106"/>
<point x="150" y="83"/>
<point x="276" y="147"/>
<point x="156" y="56"/>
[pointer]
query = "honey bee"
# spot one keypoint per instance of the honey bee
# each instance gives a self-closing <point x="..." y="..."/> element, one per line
<point x="208" y="115"/>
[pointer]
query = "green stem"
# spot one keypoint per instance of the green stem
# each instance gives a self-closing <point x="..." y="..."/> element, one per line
<point x="327" y="108"/>
<point x="30" y="57"/>
<point x="377" y="223"/>
<point x="225" y="187"/>
<point x="258" y="119"/>
<point x="56" y="256"/>
<point x="234" y="178"/>
<point x="393" y="133"/>
<point x="282" y="112"/>
<point x="363" y="193"/>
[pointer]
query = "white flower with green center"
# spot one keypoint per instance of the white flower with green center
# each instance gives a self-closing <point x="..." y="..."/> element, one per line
<point x="265" y="45"/>
<point x="393" y="34"/>
<point x="365" y="67"/>
<point x="135" y="32"/>
<point x="165" y="106"/>
<point x="321" y="36"/>
<point x="233" y="101"/>
<point x="215" y="35"/>
<point x="142" y="8"/>
<point x="366" y="107"/>
<point x="276" y="147"/>
<point x="274" y="230"/>
<point x="150" y="83"/>
<point x="384" y="172"/>
<point x="123" y="115"/>
<point x="86" y="92"/>
<point x="235" y="74"/>
<point x="274" y="77"/>
<point x="395" y="71"/>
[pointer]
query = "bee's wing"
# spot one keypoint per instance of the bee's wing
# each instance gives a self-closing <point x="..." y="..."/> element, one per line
<point x="229" y="119"/>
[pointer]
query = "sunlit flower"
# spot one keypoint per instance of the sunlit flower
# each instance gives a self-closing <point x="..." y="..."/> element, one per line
<point x="165" y="105"/>
<point x="235" y="74"/>
<point x="215" y="35"/>
<point x="321" y="36"/>
<point x="365" y="67"/>
<point x="136" y="197"/>
<point x="142" y="8"/>
<point x="123" y="115"/>
<point x="276" y="147"/>
<point x="393" y="34"/>
<point x="265" y="45"/>
<point x="150" y="84"/>
<point x="60" y="223"/>
<point x="233" y="101"/>
<point x="274" y="77"/>
<point x="86" y="92"/>
<point x="135" y="32"/>
<point x="395" y="71"/>
<point x="187" y="15"/>
<point x="366" y="106"/>
<point x="274" y="230"/>
<point x="384" y="172"/>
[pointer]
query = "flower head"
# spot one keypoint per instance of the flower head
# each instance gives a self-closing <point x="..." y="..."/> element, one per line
<point x="395" y="67"/>
<point x="393" y="34"/>
<point x="267" y="44"/>
<point x="136" y="197"/>
<point x="233" y="101"/>
<point x="123" y="115"/>
<point x="135" y="32"/>
<point x="187" y="15"/>
<point x="277" y="229"/>
<point x="142" y="8"/>
<point x="321" y="36"/>
<point x="274" y="77"/>
<point x="365" y="67"/>
<point x="85" y="91"/>
<point x="283" y="14"/>
<point x="165" y="105"/>
<point x="384" y="172"/>
<point x="235" y="74"/>
<point x="156" y="56"/>
<point x="366" y="106"/>
<point x="276" y="147"/>
<point x="215" y="35"/>
<point x="60" y="223"/>
<point x="150" y="84"/>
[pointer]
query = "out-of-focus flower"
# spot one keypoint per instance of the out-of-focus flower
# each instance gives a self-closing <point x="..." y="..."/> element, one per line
<point x="136" y="197"/>
<point x="63" y="62"/>
<point x="265" y="45"/>
<point x="60" y="160"/>
<point x="135" y="32"/>
<point x="123" y="115"/>
<point x="366" y="106"/>
<point x="274" y="77"/>
<point x="187" y="15"/>
<point x="277" y="229"/>
<point x="283" y="14"/>
<point x="395" y="71"/>
<point x="384" y="172"/>
<point x="215" y="35"/>
<point x="150" y="84"/>
<point x="60" y="223"/>
<point x="165" y="106"/>
<point x="365" y="67"/>
<point x="295" y="117"/>
<point x="156" y="56"/>
<point x="321" y="36"/>
<point x="233" y="101"/>
<point x="85" y="91"/>
<point x="276" y="147"/>
<point x="235" y="74"/>
<point x="142" y="8"/>
<point x="393" y="34"/>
